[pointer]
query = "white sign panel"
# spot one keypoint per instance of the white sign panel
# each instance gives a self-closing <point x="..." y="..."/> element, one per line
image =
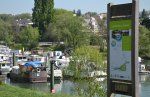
<point x="120" y="49"/>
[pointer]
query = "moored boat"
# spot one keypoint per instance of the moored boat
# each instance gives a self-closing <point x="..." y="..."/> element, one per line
<point x="32" y="71"/>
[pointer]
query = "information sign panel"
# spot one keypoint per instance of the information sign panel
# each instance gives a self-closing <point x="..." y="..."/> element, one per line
<point x="120" y="49"/>
<point x="122" y="28"/>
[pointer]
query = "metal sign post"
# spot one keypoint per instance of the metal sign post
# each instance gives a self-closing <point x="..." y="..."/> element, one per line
<point x="122" y="28"/>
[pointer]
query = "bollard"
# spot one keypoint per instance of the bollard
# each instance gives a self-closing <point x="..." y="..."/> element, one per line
<point x="52" y="76"/>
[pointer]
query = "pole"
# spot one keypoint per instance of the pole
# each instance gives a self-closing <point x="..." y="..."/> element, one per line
<point x="109" y="94"/>
<point x="135" y="36"/>
<point x="13" y="59"/>
<point x="52" y="76"/>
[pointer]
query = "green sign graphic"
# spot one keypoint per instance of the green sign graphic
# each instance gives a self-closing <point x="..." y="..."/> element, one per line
<point x="120" y="24"/>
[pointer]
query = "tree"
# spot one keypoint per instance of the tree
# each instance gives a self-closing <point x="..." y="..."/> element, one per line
<point x="68" y="29"/>
<point x="23" y="16"/>
<point x="86" y="59"/>
<point x="6" y="32"/>
<point x="29" y="37"/>
<point x="146" y="23"/>
<point x="43" y="14"/>
<point x="6" y="17"/>
<point x="144" y="42"/>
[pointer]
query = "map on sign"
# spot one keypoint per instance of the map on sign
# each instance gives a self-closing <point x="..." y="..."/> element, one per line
<point x="120" y="49"/>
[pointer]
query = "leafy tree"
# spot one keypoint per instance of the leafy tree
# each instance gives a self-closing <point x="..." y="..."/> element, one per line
<point x="146" y="23"/>
<point x="144" y="42"/>
<point x="6" y="17"/>
<point x="43" y="14"/>
<point x="6" y="32"/>
<point x="29" y="37"/>
<point x="86" y="59"/>
<point x="68" y="28"/>
<point x="23" y="16"/>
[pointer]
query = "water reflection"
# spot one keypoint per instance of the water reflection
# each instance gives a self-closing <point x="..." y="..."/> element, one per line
<point x="144" y="85"/>
<point x="61" y="86"/>
<point x="68" y="86"/>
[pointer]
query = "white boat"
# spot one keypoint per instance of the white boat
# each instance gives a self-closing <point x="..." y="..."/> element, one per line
<point x="5" y="67"/>
<point x="4" y="57"/>
<point x="97" y="73"/>
<point x="142" y="69"/>
<point x="4" y="49"/>
<point x="57" y="73"/>
<point x="21" y="58"/>
<point x="38" y="58"/>
<point x="62" y="61"/>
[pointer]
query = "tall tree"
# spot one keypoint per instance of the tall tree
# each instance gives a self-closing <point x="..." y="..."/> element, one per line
<point x="43" y="14"/>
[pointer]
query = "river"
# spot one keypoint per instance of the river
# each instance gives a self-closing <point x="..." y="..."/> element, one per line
<point x="68" y="86"/>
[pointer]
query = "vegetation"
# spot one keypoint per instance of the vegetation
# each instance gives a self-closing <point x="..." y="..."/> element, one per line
<point x="43" y="14"/>
<point x="23" y="16"/>
<point x="67" y="28"/>
<point x="90" y="88"/>
<point x="144" y="42"/>
<point x="145" y="18"/>
<point x="6" y="32"/>
<point x="86" y="59"/>
<point x="144" y="34"/>
<point x="29" y="37"/>
<point x="11" y="18"/>
<point x="11" y="91"/>
<point x="146" y="22"/>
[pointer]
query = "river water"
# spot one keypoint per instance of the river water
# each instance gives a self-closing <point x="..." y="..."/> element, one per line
<point x="68" y="86"/>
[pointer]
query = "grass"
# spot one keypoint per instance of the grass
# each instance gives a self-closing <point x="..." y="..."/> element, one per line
<point x="11" y="91"/>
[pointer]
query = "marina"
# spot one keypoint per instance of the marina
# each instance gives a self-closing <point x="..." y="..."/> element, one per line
<point x="54" y="48"/>
<point x="69" y="86"/>
<point x="32" y="71"/>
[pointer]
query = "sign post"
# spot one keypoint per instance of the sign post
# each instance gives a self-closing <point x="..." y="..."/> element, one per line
<point x="122" y="57"/>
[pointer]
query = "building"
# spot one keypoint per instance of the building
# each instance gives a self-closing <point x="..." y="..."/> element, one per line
<point x="94" y="25"/>
<point x="102" y="15"/>
<point x="18" y="25"/>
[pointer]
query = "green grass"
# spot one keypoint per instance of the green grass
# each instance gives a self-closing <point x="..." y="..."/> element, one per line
<point x="11" y="91"/>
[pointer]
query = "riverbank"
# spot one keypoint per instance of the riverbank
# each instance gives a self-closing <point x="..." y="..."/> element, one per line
<point x="11" y="91"/>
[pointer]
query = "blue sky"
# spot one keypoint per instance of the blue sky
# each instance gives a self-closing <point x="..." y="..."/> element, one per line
<point x="99" y="6"/>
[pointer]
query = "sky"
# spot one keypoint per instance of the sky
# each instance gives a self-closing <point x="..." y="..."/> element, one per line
<point x="99" y="6"/>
